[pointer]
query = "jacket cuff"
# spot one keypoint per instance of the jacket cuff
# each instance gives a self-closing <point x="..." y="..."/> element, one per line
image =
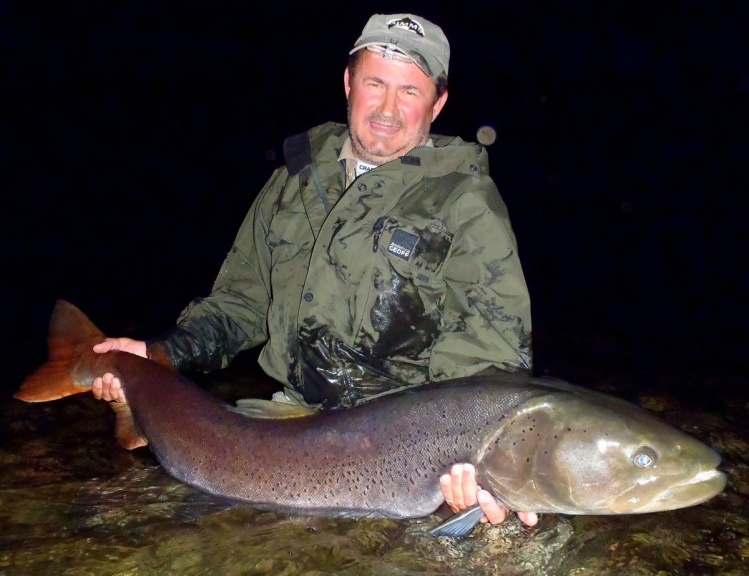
<point x="157" y="353"/>
<point x="173" y="348"/>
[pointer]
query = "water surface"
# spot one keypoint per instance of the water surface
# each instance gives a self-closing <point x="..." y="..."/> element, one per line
<point x="73" y="502"/>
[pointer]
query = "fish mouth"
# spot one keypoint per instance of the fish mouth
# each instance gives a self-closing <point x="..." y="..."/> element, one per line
<point x="698" y="489"/>
<point x="709" y="477"/>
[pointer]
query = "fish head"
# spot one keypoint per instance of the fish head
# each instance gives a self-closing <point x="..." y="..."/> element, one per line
<point x="595" y="454"/>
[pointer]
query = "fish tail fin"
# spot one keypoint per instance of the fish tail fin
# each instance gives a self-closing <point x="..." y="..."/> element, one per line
<point x="51" y="381"/>
<point x="71" y="334"/>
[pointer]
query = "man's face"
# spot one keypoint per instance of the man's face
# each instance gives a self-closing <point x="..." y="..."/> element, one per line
<point x="391" y="106"/>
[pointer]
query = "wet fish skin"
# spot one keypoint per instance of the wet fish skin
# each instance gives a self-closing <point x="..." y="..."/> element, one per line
<point x="538" y="445"/>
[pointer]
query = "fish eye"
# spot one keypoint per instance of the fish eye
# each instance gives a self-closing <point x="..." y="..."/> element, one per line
<point x="644" y="457"/>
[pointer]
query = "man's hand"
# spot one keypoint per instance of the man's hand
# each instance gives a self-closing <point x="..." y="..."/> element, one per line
<point x="108" y="387"/>
<point x="461" y="491"/>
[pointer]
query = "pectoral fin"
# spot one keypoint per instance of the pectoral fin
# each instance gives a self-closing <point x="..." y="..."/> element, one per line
<point x="459" y="525"/>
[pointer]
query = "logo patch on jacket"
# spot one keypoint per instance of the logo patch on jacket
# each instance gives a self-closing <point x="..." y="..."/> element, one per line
<point x="402" y="244"/>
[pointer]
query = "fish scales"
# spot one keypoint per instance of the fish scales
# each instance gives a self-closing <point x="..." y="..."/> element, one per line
<point x="538" y="445"/>
<point x="349" y="462"/>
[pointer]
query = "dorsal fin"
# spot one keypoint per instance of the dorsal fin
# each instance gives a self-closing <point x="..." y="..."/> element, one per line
<point x="267" y="409"/>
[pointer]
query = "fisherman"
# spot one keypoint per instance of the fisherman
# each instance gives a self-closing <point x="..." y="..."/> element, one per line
<point x="379" y="257"/>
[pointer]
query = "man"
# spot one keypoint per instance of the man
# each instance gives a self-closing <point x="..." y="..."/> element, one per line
<point x="378" y="257"/>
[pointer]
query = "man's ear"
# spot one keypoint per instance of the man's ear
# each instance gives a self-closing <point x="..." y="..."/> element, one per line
<point x="438" y="105"/>
<point x="346" y="85"/>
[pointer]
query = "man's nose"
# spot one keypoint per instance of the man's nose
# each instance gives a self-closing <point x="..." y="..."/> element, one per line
<point x="389" y="104"/>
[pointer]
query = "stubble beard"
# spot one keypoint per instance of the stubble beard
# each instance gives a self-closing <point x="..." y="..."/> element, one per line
<point x="372" y="157"/>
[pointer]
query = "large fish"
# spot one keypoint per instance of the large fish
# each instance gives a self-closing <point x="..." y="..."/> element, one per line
<point x="538" y="445"/>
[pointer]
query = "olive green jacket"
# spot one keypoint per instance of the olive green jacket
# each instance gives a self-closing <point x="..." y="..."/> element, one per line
<point x="410" y="274"/>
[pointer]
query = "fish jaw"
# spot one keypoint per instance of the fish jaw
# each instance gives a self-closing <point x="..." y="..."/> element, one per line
<point x="698" y="489"/>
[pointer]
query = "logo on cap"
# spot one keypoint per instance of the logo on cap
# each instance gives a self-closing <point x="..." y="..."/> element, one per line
<point x="406" y="24"/>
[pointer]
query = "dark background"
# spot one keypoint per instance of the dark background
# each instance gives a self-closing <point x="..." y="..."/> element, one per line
<point x="135" y="135"/>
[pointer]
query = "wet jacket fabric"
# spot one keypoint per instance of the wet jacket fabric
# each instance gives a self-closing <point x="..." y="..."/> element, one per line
<point x="408" y="275"/>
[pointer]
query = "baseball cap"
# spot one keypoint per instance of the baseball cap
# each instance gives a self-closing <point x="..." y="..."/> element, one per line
<point x="418" y="39"/>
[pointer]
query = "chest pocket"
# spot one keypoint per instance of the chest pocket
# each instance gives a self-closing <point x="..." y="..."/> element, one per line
<point x="289" y="236"/>
<point x="417" y="251"/>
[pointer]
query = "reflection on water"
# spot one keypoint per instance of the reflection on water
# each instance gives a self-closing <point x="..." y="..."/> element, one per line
<point x="73" y="502"/>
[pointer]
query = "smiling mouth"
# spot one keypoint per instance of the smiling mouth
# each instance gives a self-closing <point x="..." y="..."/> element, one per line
<point x="383" y="127"/>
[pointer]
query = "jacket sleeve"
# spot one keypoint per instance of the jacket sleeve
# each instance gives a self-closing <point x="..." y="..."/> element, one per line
<point x="487" y="315"/>
<point x="211" y="331"/>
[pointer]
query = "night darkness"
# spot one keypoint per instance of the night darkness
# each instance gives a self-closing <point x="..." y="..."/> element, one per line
<point x="136" y="135"/>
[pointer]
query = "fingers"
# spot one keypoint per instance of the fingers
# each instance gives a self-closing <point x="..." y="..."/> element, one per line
<point x="137" y="347"/>
<point x="459" y="487"/>
<point x="493" y="512"/>
<point x="467" y="481"/>
<point x="447" y="490"/>
<point x="461" y="491"/>
<point x="528" y="518"/>
<point x="109" y="388"/>
<point x="106" y="346"/>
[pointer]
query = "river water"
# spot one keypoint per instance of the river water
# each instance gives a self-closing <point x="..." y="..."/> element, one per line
<point x="73" y="502"/>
